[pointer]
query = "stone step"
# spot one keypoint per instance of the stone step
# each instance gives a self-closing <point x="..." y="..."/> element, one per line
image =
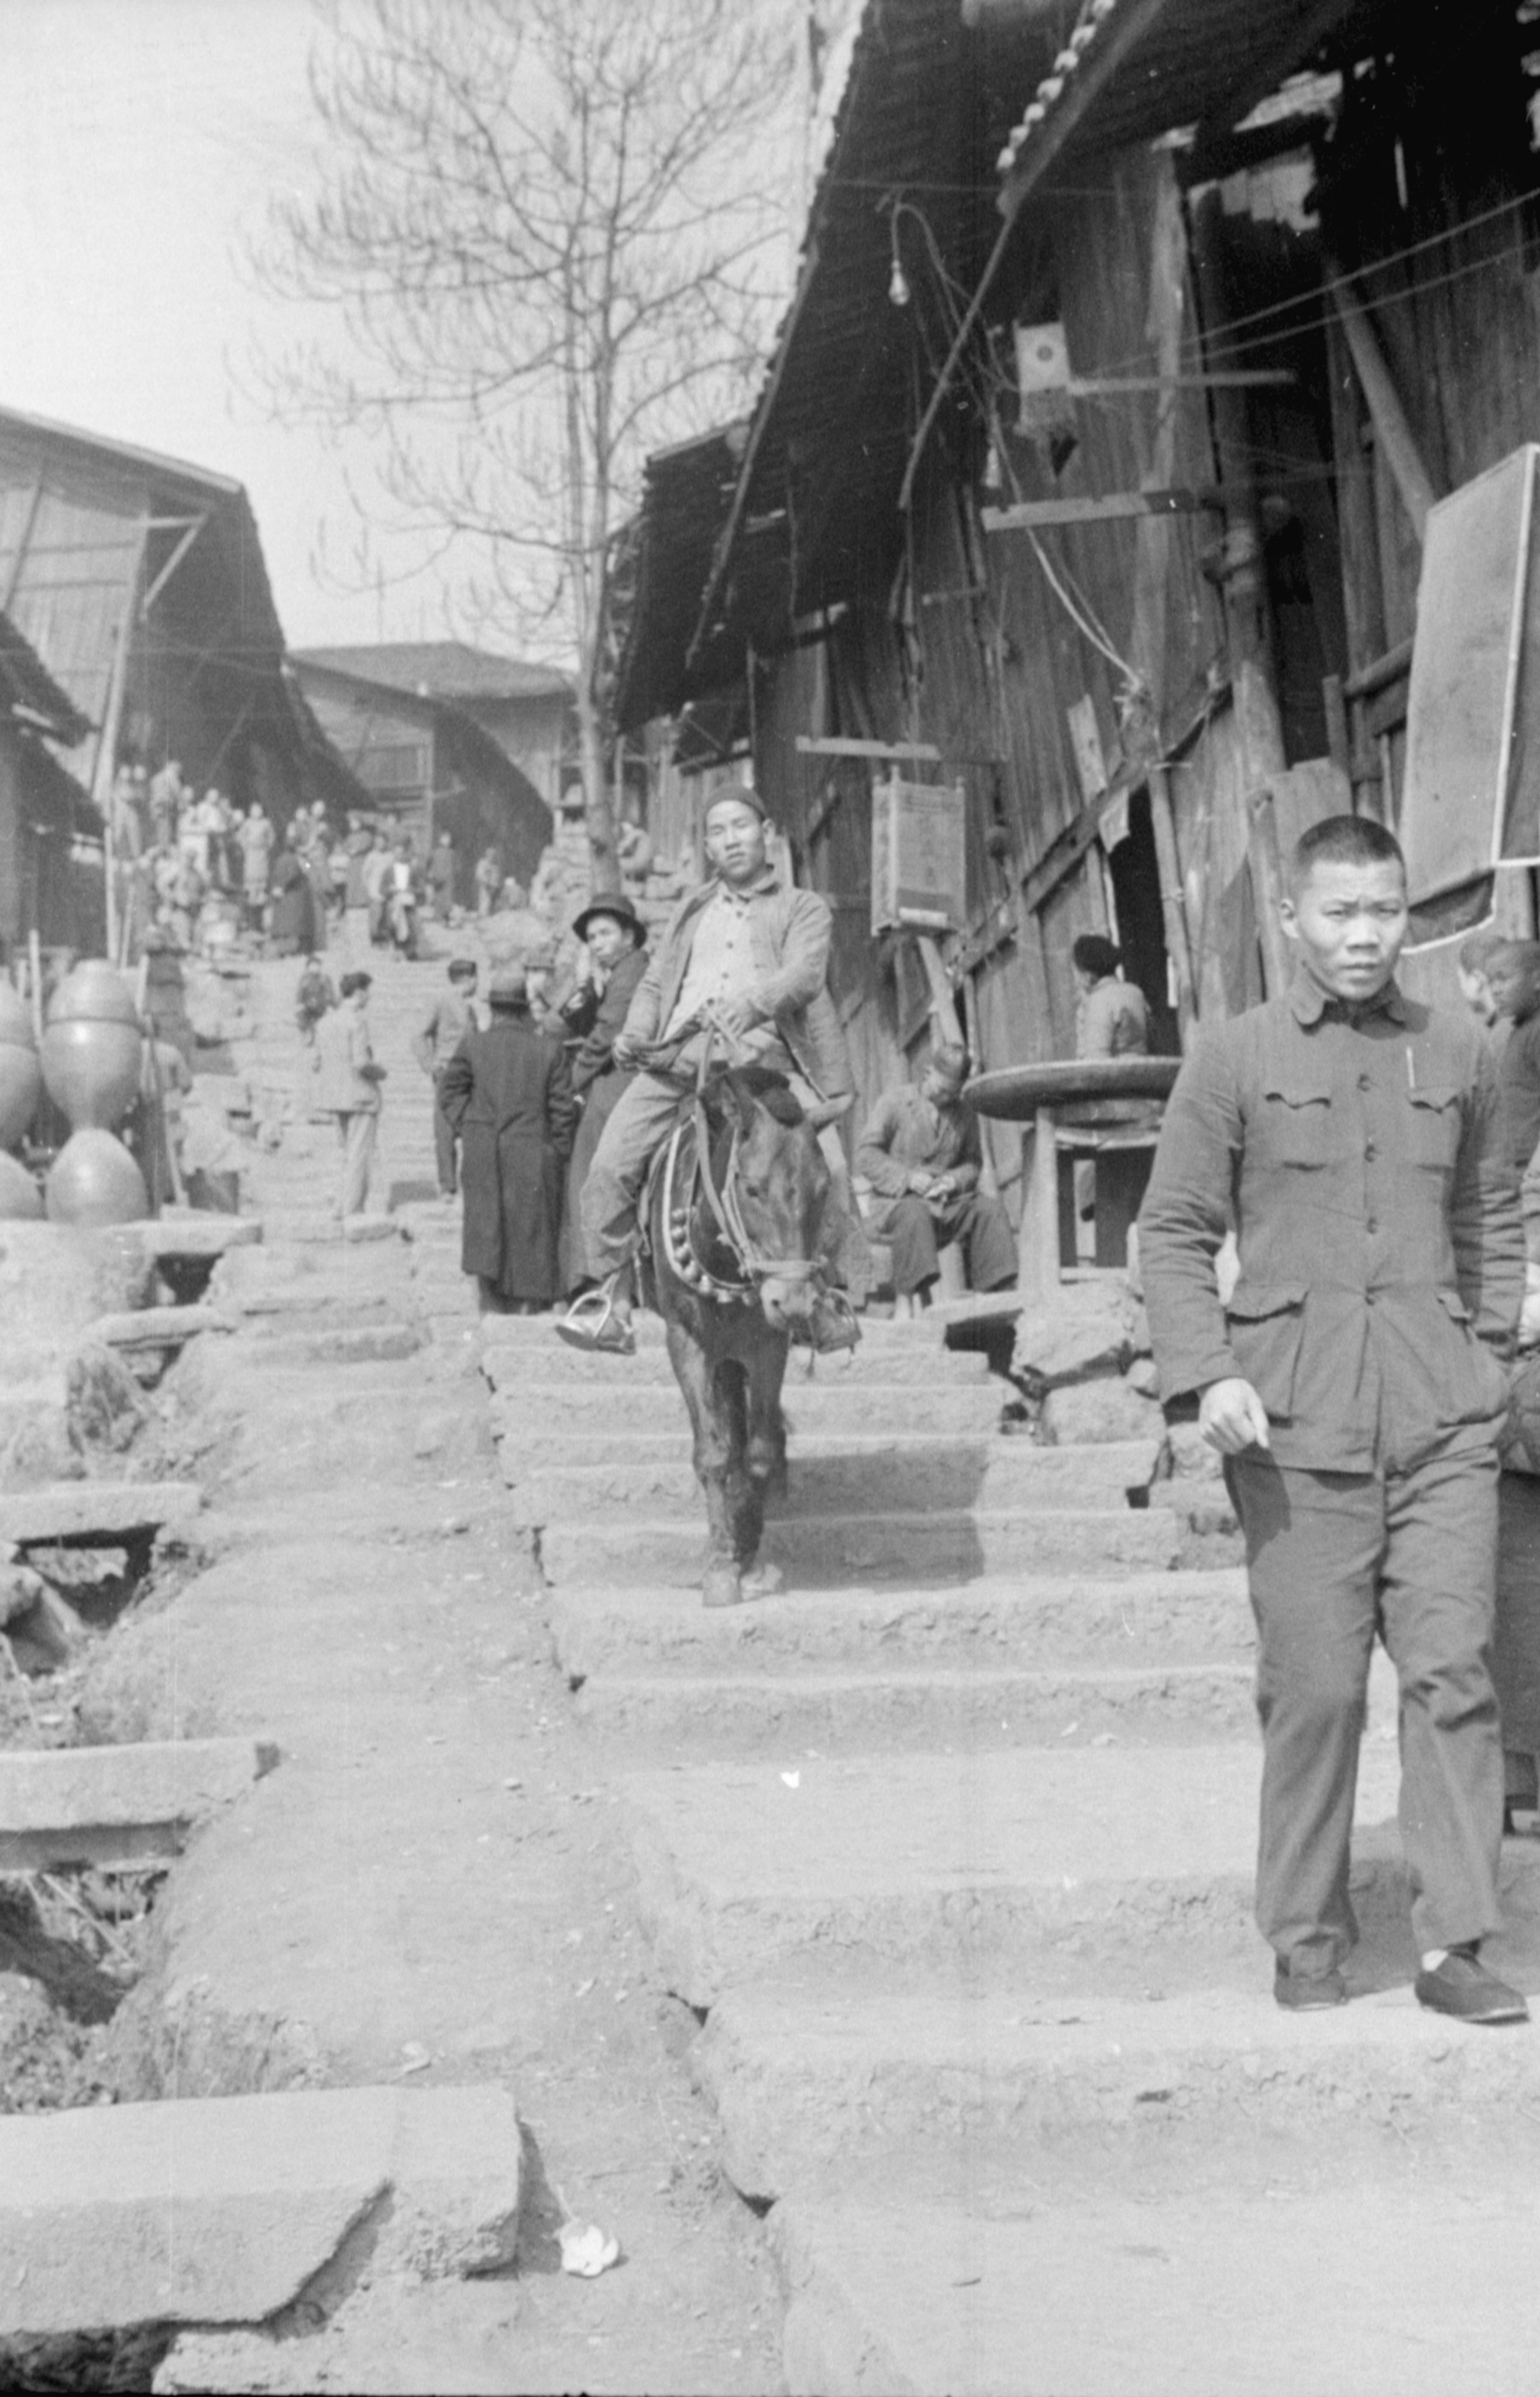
<point x="1074" y="1617"/>
<point x="1392" y="2283"/>
<point x="94" y="1510"/>
<point x="225" y="2209"/>
<point x="608" y="1410"/>
<point x="890" y="1364"/>
<point x="113" y="1806"/>
<point x="1140" y="1858"/>
<point x="925" y="1337"/>
<point x="914" y="1474"/>
<point x="359" y="1344"/>
<point x="807" y="2078"/>
<point x="909" y="1706"/>
<point x="819" y="1551"/>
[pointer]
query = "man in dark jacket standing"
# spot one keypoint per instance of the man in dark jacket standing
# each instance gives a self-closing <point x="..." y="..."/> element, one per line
<point x="615" y="939"/>
<point x="508" y="1094"/>
<point x="1355" y="1385"/>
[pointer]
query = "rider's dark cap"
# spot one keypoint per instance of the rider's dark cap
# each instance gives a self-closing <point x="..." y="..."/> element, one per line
<point x="611" y="903"/>
<point x="508" y="988"/>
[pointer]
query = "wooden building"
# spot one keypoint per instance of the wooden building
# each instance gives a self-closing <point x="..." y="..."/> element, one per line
<point x="50" y="837"/>
<point x="140" y="583"/>
<point x="1131" y="343"/>
<point x="447" y="737"/>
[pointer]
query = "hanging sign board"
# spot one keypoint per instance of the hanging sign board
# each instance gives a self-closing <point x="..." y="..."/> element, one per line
<point x="920" y="856"/>
<point x="1471" y="787"/>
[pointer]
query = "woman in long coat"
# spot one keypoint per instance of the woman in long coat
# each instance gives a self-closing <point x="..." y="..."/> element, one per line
<point x="616" y="940"/>
<point x="294" y="929"/>
<point x="508" y="1093"/>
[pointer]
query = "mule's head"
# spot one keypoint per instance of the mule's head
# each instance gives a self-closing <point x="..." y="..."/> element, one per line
<point x="781" y="1186"/>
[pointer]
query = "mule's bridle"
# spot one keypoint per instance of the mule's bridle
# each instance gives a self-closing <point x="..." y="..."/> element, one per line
<point x="725" y="1207"/>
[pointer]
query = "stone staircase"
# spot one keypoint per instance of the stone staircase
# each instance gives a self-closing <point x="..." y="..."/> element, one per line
<point x="951" y="1850"/>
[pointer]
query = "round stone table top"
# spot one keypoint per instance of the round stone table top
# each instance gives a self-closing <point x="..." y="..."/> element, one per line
<point x="1016" y="1092"/>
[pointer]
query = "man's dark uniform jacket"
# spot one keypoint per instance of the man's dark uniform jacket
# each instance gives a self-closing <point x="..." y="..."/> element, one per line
<point x="1381" y="1249"/>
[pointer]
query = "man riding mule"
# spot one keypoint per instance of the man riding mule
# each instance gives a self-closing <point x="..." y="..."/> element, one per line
<point x="742" y="968"/>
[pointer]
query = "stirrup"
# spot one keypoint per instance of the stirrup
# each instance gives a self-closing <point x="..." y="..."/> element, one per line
<point x="591" y="1322"/>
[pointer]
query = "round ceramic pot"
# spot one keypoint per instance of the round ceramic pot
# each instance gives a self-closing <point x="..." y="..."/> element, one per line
<point x="20" y="1074"/>
<point x="92" y="1048"/>
<point x="94" y="1181"/>
<point x="20" y="1199"/>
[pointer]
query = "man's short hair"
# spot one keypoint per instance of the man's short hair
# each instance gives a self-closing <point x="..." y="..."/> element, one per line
<point x="463" y="969"/>
<point x="1094" y="954"/>
<point x="950" y="1057"/>
<point x="1518" y="956"/>
<point x="1343" y="840"/>
<point x="1478" y="949"/>
<point x="351" y="981"/>
<point x="739" y="795"/>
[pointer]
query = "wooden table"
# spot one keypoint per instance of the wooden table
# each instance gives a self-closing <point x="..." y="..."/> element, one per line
<point x="1097" y="1092"/>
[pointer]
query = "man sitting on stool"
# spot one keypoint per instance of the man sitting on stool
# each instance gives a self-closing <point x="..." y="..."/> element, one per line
<point x="920" y="1152"/>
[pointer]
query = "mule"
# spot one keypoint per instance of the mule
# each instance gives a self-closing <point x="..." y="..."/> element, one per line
<point x="737" y="1266"/>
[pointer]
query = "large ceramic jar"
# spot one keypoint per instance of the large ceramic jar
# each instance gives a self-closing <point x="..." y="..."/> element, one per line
<point x="91" y="1047"/>
<point x="94" y="1181"/>
<point x="20" y="1074"/>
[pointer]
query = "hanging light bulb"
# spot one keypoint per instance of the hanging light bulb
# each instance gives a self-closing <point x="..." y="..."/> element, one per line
<point x="898" y="284"/>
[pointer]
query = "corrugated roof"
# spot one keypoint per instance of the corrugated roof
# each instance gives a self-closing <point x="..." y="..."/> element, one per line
<point x="685" y="497"/>
<point x="441" y="670"/>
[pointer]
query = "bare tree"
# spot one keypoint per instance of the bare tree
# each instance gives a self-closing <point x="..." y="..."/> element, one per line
<point x="553" y="232"/>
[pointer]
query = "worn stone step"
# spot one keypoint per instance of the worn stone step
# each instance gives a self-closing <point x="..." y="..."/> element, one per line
<point x="1136" y="1618"/>
<point x="602" y="1409"/>
<point x="907" y="1707"/>
<point x="362" y="1344"/>
<point x="94" y="1510"/>
<point x="158" y="1327"/>
<point x="111" y="1806"/>
<point x="224" y="2209"/>
<point x="819" y="1551"/>
<point x="507" y="1363"/>
<point x="912" y="1475"/>
<point x="993" y="1857"/>
<point x="807" y="2078"/>
<point x="1392" y="2284"/>
<point x="927" y="1336"/>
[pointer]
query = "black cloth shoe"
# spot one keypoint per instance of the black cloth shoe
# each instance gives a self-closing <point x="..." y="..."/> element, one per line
<point x="1461" y="1986"/>
<point x="1301" y="1993"/>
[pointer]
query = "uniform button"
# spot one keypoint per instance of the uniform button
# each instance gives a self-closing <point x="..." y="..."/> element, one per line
<point x="1373" y="1225"/>
<point x="1364" y="1082"/>
<point x="1370" y="1150"/>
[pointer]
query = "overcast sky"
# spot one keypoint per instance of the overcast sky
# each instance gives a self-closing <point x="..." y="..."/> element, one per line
<point x="138" y="140"/>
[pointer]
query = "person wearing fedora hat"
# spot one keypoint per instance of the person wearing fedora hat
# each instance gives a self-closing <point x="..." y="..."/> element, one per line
<point x="614" y="939"/>
<point x="508" y="1094"/>
<point x="743" y="966"/>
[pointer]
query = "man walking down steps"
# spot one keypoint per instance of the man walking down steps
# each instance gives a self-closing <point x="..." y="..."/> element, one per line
<point x="1355" y="1385"/>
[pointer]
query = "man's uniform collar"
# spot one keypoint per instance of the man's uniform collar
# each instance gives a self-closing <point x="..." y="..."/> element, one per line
<point x="768" y="881"/>
<point x="1310" y="1001"/>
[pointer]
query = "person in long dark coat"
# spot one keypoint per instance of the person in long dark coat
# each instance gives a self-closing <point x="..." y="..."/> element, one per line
<point x="508" y="1093"/>
<point x="294" y="928"/>
<point x="616" y="940"/>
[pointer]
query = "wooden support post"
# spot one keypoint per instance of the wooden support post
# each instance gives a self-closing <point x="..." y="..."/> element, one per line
<point x="1339" y="740"/>
<point x="1178" y="946"/>
<point x="1392" y="425"/>
<point x="1246" y="608"/>
<point x="1268" y="889"/>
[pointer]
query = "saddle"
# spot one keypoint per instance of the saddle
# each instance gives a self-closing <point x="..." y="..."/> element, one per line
<point x="690" y="1193"/>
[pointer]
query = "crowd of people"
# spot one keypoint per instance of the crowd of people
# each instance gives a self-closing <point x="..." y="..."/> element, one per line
<point x="206" y="872"/>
